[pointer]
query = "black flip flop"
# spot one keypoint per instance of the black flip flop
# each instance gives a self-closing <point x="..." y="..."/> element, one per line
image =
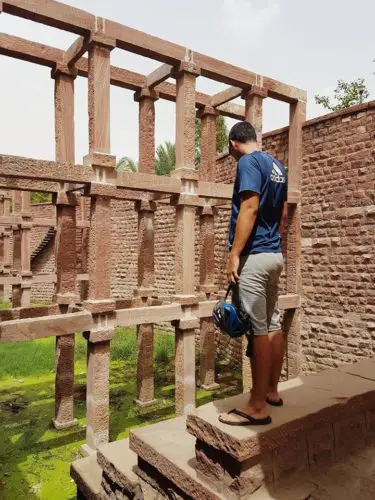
<point x="280" y="402"/>
<point x="249" y="420"/>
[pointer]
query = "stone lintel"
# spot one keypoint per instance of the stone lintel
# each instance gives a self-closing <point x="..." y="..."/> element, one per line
<point x="186" y="173"/>
<point x="145" y="206"/>
<point x="191" y="200"/>
<point x="66" y="298"/>
<point x="96" y="336"/>
<point x="97" y="38"/>
<point x="186" y="324"/>
<point x="99" y="306"/>
<point x="146" y="93"/>
<point x="207" y="111"/>
<point x="65" y="70"/>
<point x="96" y="159"/>
<point x="186" y="67"/>
<point x="101" y="189"/>
<point x="208" y="288"/>
<point x="143" y="292"/>
<point x="186" y="300"/>
<point x="255" y="91"/>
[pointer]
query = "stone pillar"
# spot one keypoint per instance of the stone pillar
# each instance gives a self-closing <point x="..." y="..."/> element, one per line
<point x="185" y="236"/>
<point x="254" y="109"/>
<point x="207" y="172"/>
<point x="2" y="205"/>
<point x="146" y="276"/>
<point x="99" y="302"/>
<point x="26" y="273"/>
<point x="254" y="115"/>
<point x="65" y="246"/>
<point x="292" y="319"/>
<point x="16" y="267"/>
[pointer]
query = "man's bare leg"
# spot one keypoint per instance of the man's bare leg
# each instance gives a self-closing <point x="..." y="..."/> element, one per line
<point x="261" y="371"/>
<point x="277" y="357"/>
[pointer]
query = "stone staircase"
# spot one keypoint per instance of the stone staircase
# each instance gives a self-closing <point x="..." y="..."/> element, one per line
<point x="327" y="422"/>
<point x="42" y="245"/>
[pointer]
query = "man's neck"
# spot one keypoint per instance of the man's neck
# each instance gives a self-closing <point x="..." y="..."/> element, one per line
<point x="250" y="147"/>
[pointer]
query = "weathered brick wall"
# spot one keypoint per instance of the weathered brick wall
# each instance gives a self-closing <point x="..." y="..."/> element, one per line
<point x="338" y="231"/>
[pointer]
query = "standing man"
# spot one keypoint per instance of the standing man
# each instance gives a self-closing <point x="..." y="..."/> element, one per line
<point x="259" y="214"/>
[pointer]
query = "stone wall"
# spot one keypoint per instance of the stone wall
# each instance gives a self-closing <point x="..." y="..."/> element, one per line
<point x="338" y="231"/>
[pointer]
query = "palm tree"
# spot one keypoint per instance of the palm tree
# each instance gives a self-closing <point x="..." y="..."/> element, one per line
<point x="165" y="158"/>
<point x="126" y="164"/>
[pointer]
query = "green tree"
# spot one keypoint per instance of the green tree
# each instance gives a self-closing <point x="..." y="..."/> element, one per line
<point x="37" y="197"/>
<point x="221" y="137"/>
<point x="126" y="164"/>
<point x="165" y="158"/>
<point x="346" y="94"/>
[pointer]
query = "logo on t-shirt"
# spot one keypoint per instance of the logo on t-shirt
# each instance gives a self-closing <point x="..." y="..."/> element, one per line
<point x="277" y="175"/>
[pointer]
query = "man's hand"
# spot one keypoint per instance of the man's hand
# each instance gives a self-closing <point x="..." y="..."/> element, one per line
<point x="232" y="268"/>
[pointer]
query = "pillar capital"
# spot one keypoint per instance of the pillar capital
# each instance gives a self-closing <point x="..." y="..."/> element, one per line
<point x="186" y="67"/>
<point x="255" y="91"/>
<point x="101" y="40"/>
<point x="146" y="93"/>
<point x="62" y="69"/>
<point x="145" y="206"/>
<point x="207" y="111"/>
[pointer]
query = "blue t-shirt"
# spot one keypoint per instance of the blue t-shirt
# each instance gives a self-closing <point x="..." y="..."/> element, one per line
<point x="263" y="174"/>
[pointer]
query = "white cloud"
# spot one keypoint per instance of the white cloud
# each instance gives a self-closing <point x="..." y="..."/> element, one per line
<point x="243" y="21"/>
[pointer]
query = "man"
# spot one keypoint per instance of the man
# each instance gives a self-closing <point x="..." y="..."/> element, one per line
<point x="259" y="213"/>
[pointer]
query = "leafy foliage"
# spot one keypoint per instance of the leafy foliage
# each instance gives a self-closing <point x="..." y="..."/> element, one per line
<point x="346" y="94"/>
<point x="165" y="158"/>
<point x="126" y="164"/>
<point x="37" y="197"/>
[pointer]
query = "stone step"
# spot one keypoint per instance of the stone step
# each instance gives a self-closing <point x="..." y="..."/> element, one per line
<point x="325" y="417"/>
<point x="87" y="475"/>
<point x="167" y="460"/>
<point x="117" y="461"/>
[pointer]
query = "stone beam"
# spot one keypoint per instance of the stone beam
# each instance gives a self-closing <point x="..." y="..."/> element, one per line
<point x="215" y="190"/>
<point x="148" y="182"/>
<point x="33" y="52"/>
<point x="28" y="168"/>
<point x="151" y="314"/>
<point x="76" y="51"/>
<point x="159" y="75"/>
<point x="51" y="13"/>
<point x="49" y="326"/>
<point x="225" y="96"/>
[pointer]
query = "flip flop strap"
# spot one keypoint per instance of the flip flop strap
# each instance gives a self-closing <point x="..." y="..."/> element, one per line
<point x="242" y="414"/>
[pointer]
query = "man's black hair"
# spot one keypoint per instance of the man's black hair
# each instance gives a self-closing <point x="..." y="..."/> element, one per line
<point x="243" y="132"/>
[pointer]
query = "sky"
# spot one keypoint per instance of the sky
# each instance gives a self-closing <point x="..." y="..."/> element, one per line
<point x="308" y="44"/>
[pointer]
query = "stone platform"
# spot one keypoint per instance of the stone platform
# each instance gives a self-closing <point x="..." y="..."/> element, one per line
<point x="327" y="425"/>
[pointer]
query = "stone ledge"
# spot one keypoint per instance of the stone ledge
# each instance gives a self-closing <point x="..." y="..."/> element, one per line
<point x="309" y="402"/>
<point x="117" y="462"/>
<point x="156" y="445"/>
<point x="87" y="475"/>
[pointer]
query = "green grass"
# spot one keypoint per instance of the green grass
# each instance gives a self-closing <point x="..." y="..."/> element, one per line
<point x="34" y="457"/>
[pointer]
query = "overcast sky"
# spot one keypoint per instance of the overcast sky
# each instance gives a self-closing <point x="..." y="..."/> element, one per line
<point x="309" y="44"/>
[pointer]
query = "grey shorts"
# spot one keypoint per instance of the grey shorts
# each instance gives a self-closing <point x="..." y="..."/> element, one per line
<point x="259" y="289"/>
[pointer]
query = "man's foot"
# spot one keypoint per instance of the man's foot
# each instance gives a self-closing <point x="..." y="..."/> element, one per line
<point x="250" y="413"/>
<point x="273" y="398"/>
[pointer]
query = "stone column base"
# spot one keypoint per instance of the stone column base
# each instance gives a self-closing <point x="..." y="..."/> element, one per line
<point x="64" y="425"/>
<point x="144" y="404"/>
